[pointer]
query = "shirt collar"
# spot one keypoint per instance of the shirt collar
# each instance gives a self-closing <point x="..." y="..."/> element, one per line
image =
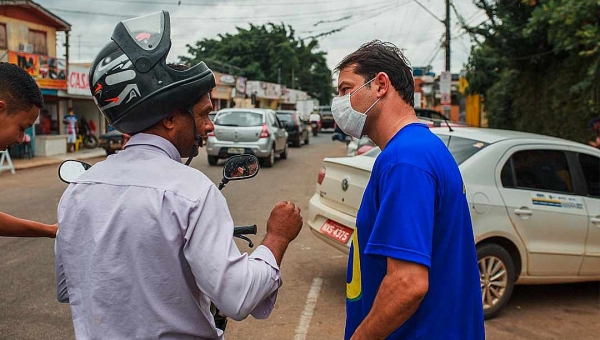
<point x="156" y="142"/>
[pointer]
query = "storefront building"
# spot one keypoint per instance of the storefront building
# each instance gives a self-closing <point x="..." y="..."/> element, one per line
<point x="28" y="39"/>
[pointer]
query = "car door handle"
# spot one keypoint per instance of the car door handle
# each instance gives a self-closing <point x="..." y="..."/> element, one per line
<point x="523" y="211"/>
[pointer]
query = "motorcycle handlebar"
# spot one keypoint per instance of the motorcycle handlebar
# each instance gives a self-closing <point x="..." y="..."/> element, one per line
<point x="245" y="230"/>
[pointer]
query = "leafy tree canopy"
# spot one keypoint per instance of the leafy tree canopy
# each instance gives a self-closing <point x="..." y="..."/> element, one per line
<point x="537" y="62"/>
<point x="269" y="53"/>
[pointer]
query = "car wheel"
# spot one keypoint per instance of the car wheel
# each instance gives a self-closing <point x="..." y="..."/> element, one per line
<point x="270" y="160"/>
<point x="284" y="154"/>
<point x="213" y="160"/>
<point x="496" y="276"/>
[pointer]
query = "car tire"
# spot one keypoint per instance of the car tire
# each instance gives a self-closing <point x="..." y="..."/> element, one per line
<point x="496" y="276"/>
<point x="268" y="161"/>
<point x="284" y="154"/>
<point x="213" y="160"/>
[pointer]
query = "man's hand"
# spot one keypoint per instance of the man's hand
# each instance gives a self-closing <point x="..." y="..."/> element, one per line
<point x="283" y="227"/>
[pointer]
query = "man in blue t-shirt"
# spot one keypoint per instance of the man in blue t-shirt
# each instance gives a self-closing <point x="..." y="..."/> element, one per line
<point x="412" y="270"/>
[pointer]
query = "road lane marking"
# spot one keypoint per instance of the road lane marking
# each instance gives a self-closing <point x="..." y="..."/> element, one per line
<point x="311" y="301"/>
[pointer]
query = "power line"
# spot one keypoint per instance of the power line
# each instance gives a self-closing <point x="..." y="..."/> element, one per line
<point x="210" y="4"/>
<point x="434" y="55"/>
<point x="428" y="11"/>
<point x="382" y="10"/>
<point x="289" y="15"/>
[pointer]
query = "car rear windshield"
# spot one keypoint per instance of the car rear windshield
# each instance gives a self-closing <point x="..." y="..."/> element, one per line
<point x="285" y="117"/>
<point x="239" y="118"/>
<point x="460" y="148"/>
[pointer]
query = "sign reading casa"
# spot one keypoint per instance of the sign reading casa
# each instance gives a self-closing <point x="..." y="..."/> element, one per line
<point x="78" y="82"/>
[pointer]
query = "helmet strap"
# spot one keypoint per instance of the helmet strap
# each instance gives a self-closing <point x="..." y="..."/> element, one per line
<point x="197" y="139"/>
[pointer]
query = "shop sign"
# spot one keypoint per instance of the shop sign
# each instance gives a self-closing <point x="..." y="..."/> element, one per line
<point x="227" y="79"/>
<point x="49" y="73"/>
<point x="240" y="85"/>
<point x="78" y="82"/>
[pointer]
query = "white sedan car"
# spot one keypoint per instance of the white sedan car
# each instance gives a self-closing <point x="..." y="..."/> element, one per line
<point x="534" y="202"/>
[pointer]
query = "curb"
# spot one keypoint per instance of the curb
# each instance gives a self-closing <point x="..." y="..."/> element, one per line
<point x="22" y="164"/>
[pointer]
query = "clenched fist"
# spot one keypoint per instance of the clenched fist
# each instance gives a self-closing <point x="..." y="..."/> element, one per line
<point x="285" y="221"/>
<point x="283" y="227"/>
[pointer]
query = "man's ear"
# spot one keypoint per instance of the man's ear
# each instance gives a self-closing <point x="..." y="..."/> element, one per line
<point x="169" y="122"/>
<point x="383" y="83"/>
<point x="2" y="106"/>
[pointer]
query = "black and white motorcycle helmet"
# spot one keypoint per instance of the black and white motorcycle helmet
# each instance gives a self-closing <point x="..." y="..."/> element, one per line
<point x="130" y="80"/>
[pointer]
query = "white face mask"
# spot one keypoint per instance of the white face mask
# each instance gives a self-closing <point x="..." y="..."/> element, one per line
<point x="349" y="120"/>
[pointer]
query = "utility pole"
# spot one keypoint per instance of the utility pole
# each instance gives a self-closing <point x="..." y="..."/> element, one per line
<point x="447" y="42"/>
<point x="447" y="106"/>
<point x="79" y="46"/>
<point x="279" y="75"/>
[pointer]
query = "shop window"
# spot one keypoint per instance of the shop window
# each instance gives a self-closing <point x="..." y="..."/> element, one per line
<point x="3" y="37"/>
<point x="38" y="40"/>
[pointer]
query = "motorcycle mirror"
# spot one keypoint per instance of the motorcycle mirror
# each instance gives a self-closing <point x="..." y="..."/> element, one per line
<point x="71" y="170"/>
<point x="240" y="167"/>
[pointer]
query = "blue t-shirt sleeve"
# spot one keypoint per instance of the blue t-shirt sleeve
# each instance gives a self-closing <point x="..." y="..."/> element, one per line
<point x="403" y="227"/>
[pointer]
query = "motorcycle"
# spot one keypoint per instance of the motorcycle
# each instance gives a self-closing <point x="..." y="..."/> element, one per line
<point x="239" y="167"/>
<point x="90" y="141"/>
<point x="315" y="127"/>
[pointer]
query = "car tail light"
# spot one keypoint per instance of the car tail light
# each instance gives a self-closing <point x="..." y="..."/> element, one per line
<point x="265" y="132"/>
<point x="321" y="176"/>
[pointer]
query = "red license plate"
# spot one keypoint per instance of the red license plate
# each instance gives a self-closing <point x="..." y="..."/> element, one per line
<point x="336" y="231"/>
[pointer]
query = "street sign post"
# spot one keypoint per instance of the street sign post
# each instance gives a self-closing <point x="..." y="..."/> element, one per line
<point x="445" y="92"/>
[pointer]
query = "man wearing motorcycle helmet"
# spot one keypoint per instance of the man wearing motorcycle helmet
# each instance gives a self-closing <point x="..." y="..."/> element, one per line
<point x="145" y="241"/>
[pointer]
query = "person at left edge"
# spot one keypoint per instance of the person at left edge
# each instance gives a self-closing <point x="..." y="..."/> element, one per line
<point x="146" y="243"/>
<point x="20" y="104"/>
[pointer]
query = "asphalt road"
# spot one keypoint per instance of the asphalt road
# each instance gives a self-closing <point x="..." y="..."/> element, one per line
<point x="29" y="310"/>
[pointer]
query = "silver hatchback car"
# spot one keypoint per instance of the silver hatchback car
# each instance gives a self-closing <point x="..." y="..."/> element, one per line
<point x="247" y="131"/>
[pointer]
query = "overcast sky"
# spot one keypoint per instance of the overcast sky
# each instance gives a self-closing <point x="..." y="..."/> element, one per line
<point x="402" y="22"/>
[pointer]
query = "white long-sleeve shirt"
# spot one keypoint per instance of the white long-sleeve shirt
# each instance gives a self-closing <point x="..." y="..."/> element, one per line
<point x="145" y="244"/>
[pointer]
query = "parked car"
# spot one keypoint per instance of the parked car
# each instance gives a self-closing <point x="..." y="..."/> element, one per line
<point x="359" y="146"/>
<point x="296" y="129"/>
<point x="431" y="114"/>
<point x="247" y="131"/>
<point x="327" y="121"/>
<point x="534" y="203"/>
<point x="112" y="141"/>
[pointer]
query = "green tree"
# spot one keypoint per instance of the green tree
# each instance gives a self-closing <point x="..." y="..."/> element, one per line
<point x="269" y="53"/>
<point x="537" y="64"/>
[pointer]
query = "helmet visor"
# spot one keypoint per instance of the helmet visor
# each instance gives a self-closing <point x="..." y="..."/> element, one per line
<point x="146" y="31"/>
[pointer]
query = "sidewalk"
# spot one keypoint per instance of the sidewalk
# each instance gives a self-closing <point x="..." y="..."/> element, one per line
<point x="21" y="164"/>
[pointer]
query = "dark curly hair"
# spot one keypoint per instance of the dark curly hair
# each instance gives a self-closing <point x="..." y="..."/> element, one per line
<point x="18" y="89"/>
<point x="377" y="56"/>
